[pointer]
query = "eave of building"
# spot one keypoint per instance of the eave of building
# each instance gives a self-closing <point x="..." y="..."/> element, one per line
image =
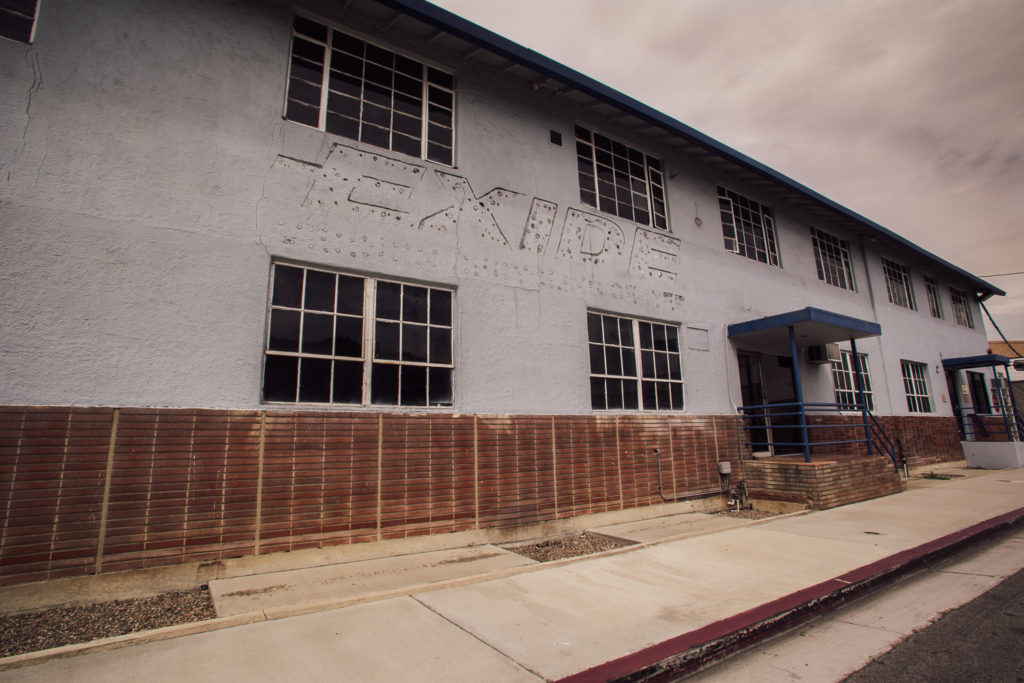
<point x="457" y="35"/>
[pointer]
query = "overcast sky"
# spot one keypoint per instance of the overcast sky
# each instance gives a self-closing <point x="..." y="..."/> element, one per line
<point x="909" y="112"/>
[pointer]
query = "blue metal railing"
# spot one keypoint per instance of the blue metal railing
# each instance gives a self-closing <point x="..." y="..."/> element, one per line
<point x="990" y="426"/>
<point x="782" y="426"/>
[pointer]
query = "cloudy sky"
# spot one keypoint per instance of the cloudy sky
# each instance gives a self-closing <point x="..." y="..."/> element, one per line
<point x="909" y="112"/>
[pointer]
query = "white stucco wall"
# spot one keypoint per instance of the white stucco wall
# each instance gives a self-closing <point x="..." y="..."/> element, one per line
<point x="148" y="181"/>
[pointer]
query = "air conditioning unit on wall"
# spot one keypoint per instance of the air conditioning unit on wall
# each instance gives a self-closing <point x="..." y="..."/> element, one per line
<point x="823" y="353"/>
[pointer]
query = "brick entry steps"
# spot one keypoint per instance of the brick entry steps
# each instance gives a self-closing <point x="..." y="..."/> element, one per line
<point x="821" y="484"/>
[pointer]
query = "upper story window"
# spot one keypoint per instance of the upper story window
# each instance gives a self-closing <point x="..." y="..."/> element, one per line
<point x="18" y="19"/>
<point x="620" y="180"/>
<point x="634" y="364"/>
<point x="832" y="257"/>
<point x="915" y="384"/>
<point x="748" y="227"/>
<point x="338" y="338"/>
<point x="349" y="87"/>
<point x="845" y="381"/>
<point x="961" y="308"/>
<point x="898" y="285"/>
<point x="934" y="302"/>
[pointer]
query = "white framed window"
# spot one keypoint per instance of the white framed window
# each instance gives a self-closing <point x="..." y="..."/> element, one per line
<point x="347" y="86"/>
<point x="620" y="180"/>
<point x="961" y="308"/>
<point x="934" y="302"/>
<point x="634" y="364"/>
<point x="338" y="338"/>
<point x="18" y="19"/>
<point x="915" y="385"/>
<point x="832" y="258"/>
<point x="748" y="227"/>
<point x="845" y="381"/>
<point x="898" y="284"/>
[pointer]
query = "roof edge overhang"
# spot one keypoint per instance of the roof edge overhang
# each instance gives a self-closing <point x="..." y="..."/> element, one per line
<point x="451" y="23"/>
<point x="985" y="361"/>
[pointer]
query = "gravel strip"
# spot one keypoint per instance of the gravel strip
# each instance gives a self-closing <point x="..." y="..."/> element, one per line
<point x="564" y="546"/>
<point x="66" y="625"/>
<point x="750" y="514"/>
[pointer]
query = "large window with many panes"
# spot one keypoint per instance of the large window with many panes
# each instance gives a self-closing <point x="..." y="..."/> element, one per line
<point x="634" y="364"/>
<point x="348" y="339"/>
<point x="620" y="180"/>
<point x="748" y="227"/>
<point x="961" y="308"/>
<point x="845" y="381"/>
<point x="915" y="385"/>
<point x="350" y="87"/>
<point x="898" y="285"/>
<point x="832" y="258"/>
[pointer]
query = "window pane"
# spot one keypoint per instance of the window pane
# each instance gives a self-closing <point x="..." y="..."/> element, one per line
<point x="440" y="345"/>
<point x="384" y="385"/>
<point x="597" y="397"/>
<point x="440" y="307"/>
<point x="414" y="304"/>
<point x="317" y="333"/>
<point x="650" y="396"/>
<point x="440" y="386"/>
<point x="348" y="381"/>
<point x="280" y="378"/>
<point x="614" y="389"/>
<point x="628" y="363"/>
<point x="310" y="28"/>
<point x="630" y="400"/>
<point x="386" y="342"/>
<point x="611" y="330"/>
<point x="594" y="327"/>
<point x="284" y="330"/>
<point x="414" y="385"/>
<point x="613" y="360"/>
<point x="320" y="290"/>
<point x="677" y="396"/>
<point x="596" y="359"/>
<point x="348" y="337"/>
<point x="287" y="286"/>
<point x="389" y="300"/>
<point x="315" y="380"/>
<point x="414" y="343"/>
<point x="350" y="294"/>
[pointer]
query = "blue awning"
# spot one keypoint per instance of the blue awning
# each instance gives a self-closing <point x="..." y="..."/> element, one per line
<point x="985" y="361"/>
<point x="811" y="326"/>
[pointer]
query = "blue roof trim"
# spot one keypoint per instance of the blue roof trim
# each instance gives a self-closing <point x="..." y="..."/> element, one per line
<point x="806" y="315"/>
<point x="473" y="33"/>
<point x="985" y="361"/>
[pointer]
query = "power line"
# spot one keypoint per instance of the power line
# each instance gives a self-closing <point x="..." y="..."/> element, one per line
<point x="1019" y="272"/>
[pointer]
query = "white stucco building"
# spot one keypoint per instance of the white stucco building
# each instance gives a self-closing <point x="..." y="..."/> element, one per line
<point x="283" y="275"/>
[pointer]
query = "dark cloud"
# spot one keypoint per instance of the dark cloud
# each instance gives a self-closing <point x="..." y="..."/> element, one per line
<point x="909" y="112"/>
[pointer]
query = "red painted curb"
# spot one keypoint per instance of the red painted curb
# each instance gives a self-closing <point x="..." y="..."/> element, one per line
<point x="632" y="666"/>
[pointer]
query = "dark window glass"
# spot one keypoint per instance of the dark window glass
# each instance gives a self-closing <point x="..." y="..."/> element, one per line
<point x="386" y="343"/>
<point x="414" y="304"/>
<point x="287" y="286"/>
<point x="315" y="380"/>
<point x="320" y="290"/>
<point x="414" y="385"/>
<point x="440" y="345"/>
<point x="317" y="333"/>
<point x="348" y="337"/>
<point x="350" y="295"/>
<point x="284" y="330"/>
<point x="389" y="300"/>
<point x="440" y="386"/>
<point x="280" y="377"/>
<point x="414" y="343"/>
<point x="384" y="385"/>
<point x="348" y="381"/>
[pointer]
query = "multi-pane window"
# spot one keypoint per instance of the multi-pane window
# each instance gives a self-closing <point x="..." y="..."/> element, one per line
<point x="915" y="384"/>
<point x="634" y="364"/>
<point x="934" y="303"/>
<point x="832" y="257"/>
<point x="845" y="381"/>
<point x="349" y="87"/>
<point x="961" y="308"/>
<point x="17" y="19"/>
<point x="898" y="285"/>
<point x="620" y="180"/>
<point x="339" y="338"/>
<point x="748" y="227"/>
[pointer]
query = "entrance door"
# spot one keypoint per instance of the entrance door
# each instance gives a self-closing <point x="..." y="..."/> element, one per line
<point x="979" y="395"/>
<point x="767" y="380"/>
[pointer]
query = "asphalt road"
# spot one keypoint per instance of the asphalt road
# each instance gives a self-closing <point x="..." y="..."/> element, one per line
<point x="981" y="641"/>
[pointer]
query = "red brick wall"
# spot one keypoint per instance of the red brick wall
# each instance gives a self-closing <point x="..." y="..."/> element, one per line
<point x="924" y="440"/>
<point x="84" y="490"/>
<point x="822" y="484"/>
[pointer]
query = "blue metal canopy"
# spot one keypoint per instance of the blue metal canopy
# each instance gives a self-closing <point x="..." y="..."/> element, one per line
<point x="985" y="361"/>
<point x="811" y="326"/>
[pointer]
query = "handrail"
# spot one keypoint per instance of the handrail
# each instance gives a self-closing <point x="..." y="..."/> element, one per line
<point x="762" y="415"/>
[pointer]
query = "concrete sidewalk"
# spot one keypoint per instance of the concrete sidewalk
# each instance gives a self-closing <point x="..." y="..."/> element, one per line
<point x="596" y="618"/>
